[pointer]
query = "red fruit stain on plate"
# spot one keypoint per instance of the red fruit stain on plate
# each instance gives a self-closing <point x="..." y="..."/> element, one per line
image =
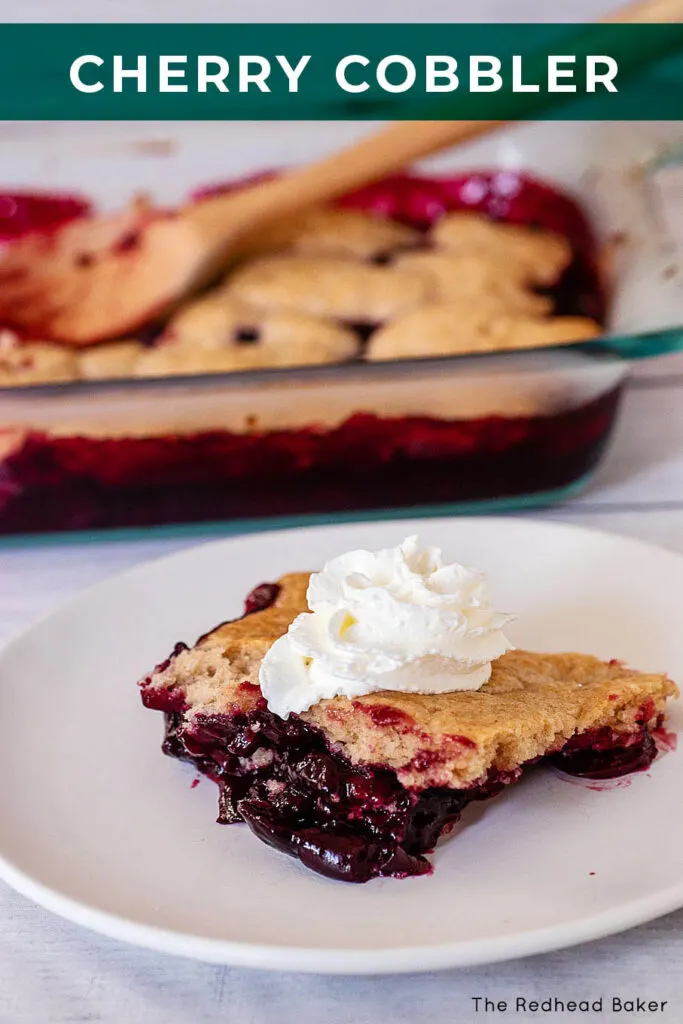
<point x="665" y="740"/>
<point x="596" y="785"/>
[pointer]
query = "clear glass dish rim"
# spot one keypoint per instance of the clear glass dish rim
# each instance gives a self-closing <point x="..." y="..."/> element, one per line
<point x="625" y="347"/>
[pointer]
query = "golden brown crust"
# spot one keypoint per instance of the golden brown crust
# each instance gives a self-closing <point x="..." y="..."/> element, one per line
<point x="351" y="233"/>
<point x="488" y="281"/>
<point x="538" y="256"/>
<point x="531" y="705"/>
<point x="110" y="360"/>
<point x="332" y="287"/>
<point x="469" y="326"/>
<point x="204" y="337"/>
<point x="330" y="231"/>
<point x="34" y="362"/>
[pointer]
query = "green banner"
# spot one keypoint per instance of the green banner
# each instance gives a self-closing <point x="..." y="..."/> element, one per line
<point x="208" y="72"/>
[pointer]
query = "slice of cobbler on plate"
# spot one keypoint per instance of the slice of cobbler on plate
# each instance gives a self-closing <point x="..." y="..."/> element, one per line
<point x="350" y="715"/>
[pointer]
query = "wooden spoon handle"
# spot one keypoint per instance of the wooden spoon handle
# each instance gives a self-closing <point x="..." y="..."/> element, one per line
<point x="642" y="12"/>
<point x="373" y="157"/>
<point x="225" y="219"/>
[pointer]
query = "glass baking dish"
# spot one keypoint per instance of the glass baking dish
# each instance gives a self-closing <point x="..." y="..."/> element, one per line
<point x="461" y="432"/>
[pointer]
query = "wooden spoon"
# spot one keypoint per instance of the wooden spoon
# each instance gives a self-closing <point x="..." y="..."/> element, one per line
<point x="106" y="277"/>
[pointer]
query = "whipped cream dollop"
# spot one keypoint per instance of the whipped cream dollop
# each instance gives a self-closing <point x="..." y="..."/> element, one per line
<point x="397" y="619"/>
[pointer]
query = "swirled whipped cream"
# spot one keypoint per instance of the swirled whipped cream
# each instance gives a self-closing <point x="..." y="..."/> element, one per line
<point x="397" y="619"/>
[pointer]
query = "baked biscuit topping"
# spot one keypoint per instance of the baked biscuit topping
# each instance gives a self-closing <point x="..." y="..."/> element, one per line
<point x="468" y="327"/>
<point x="220" y="334"/>
<point x="478" y="277"/>
<point x="112" y="360"/>
<point x="531" y="705"/>
<point x="473" y="287"/>
<point x="352" y="234"/>
<point x="34" y="362"/>
<point x="335" y="288"/>
<point x="540" y="256"/>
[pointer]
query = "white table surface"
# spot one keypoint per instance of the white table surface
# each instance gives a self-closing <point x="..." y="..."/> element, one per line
<point x="52" y="972"/>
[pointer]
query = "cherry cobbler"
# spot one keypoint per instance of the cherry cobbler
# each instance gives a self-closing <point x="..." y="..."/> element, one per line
<point x="480" y="263"/>
<point x="363" y="783"/>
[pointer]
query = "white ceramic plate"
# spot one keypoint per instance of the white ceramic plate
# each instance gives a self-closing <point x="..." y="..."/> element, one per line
<point x="96" y="825"/>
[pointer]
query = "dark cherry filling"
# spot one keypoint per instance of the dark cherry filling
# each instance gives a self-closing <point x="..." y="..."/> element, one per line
<point x="75" y="483"/>
<point x="247" y="335"/>
<point x="84" y="260"/>
<point x="340" y="820"/>
<point x="602" y="755"/>
<point x="128" y="242"/>
<point x="25" y="212"/>
<point x="261" y="597"/>
<point x="344" y="821"/>
<point x="364" y="329"/>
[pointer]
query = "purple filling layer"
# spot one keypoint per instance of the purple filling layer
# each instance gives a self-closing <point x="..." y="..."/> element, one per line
<point x="347" y="822"/>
